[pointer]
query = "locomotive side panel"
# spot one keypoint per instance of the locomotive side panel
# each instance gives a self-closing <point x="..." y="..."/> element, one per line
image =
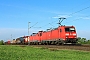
<point x="44" y="36"/>
<point x="61" y="31"/>
<point x="31" y="38"/>
<point x="48" y="35"/>
<point x="55" y="34"/>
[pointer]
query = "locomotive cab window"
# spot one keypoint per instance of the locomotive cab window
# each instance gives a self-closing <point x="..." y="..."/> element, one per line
<point x="70" y="29"/>
<point x="67" y="29"/>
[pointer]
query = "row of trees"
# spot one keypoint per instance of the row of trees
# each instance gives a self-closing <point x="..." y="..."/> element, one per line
<point x="83" y="40"/>
<point x="1" y="42"/>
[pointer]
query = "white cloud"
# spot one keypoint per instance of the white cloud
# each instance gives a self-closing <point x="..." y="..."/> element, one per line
<point x="86" y="18"/>
<point x="65" y="16"/>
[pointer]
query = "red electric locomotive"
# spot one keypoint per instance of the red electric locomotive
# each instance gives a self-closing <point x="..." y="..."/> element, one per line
<point x="60" y="35"/>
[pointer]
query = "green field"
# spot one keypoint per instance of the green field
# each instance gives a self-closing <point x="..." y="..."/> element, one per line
<point x="32" y="53"/>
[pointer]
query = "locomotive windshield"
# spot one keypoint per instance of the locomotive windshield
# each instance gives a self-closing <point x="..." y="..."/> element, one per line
<point x="70" y="29"/>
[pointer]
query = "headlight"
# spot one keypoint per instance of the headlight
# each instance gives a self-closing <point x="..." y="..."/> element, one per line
<point x="75" y="37"/>
<point x="66" y="37"/>
<point x="74" y="34"/>
<point x="66" y="34"/>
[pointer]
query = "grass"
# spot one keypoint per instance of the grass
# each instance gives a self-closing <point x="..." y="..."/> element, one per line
<point x="30" y="53"/>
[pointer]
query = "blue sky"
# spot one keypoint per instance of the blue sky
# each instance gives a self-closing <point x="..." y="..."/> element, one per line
<point x="15" y="15"/>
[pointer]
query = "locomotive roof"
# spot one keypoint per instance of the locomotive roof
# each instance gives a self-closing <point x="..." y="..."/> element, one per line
<point x="69" y="26"/>
<point x="51" y="29"/>
<point x="33" y="34"/>
<point x="40" y="31"/>
<point x="66" y="26"/>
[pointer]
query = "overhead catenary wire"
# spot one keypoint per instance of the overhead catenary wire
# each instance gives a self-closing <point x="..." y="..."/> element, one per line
<point x="48" y="23"/>
<point x="51" y="25"/>
<point x="79" y="10"/>
<point x="33" y="25"/>
<point x="77" y="19"/>
<point x="72" y="14"/>
<point x="66" y="19"/>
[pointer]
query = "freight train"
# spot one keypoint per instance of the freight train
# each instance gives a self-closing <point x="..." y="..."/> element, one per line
<point x="58" y="36"/>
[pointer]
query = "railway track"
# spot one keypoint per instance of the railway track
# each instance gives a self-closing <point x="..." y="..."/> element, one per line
<point x="56" y="47"/>
<point x="71" y="47"/>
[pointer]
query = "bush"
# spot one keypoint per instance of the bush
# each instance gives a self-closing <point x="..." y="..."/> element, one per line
<point x="1" y="42"/>
<point x="83" y="40"/>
